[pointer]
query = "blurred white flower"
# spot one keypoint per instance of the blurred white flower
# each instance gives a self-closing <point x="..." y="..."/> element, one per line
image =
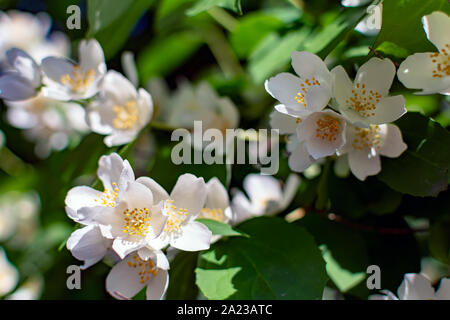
<point x="31" y="289"/>
<point x="265" y="196"/>
<point x="67" y="80"/>
<point x="18" y="216"/>
<point x="128" y="277"/>
<point x="417" y="287"/>
<point x="29" y="32"/>
<point x="303" y="95"/>
<point x="180" y="210"/>
<point x="22" y="80"/>
<point x="120" y="111"/>
<point x="9" y="276"/>
<point x="160" y="95"/>
<point x="50" y="123"/>
<point x="430" y="71"/>
<point x="367" y="100"/>
<point x="124" y="212"/>
<point x="371" y="24"/>
<point x="354" y="3"/>
<point x="365" y="145"/>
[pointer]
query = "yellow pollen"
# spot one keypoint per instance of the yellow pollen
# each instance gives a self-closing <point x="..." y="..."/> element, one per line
<point x="441" y="61"/>
<point x="304" y="88"/>
<point x="126" y="116"/>
<point x="78" y="79"/>
<point x="175" y="218"/>
<point x="367" y="138"/>
<point x="136" y="222"/>
<point x="108" y="197"/>
<point x="327" y="128"/>
<point x="214" y="214"/>
<point x="146" y="268"/>
<point x="363" y="101"/>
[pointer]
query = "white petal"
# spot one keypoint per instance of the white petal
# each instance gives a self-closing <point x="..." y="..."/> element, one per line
<point x="110" y="170"/>
<point x="145" y="105"/>
<point x="117" y="88"/>
<point x="54" y="68"/>
<point x="290" y="189"/>
<point x="362" y="164"/>
<point x="88" y="244"/>
<point x="123" y="280"/>
<point x="189" y="193"/>
<point x="95" y="120"/>
<point x="283" y="122"/>
<point x="159" y="193"/>
<point x="443" y="293"/>
<point x="82" y="196"/>
<point x="377" y="74"/>
<point x="243" y="209"/>
<point x="281" y="108"/>
<point x="354" y="3"/>
<point x="308" y="65"/>
<point x="157" y="285"/>
<point x="261" y="188"/>
<point x="416" y="72"/>
<point x="436" y="27"/>
<point x="300" y="160"/>
<point x="25" y="65"/>
<point x="415" y="287"/>
<point x="217" y="195"/>
<point x="317" y="98"/>
<point x="195" y="236"/>
<point x="124" y="248"/>
<point x="91" y="56"/>
<point x="388" y="110"/>
<point x="119" y="138"/>
<point x="393" y="145"/>
<point x="14" y="87"/>
<point x="138" y="196"/>
<point x="342" y="86"/>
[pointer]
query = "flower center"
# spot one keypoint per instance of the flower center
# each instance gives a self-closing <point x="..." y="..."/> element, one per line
<point x="136" y="222"/>
<point x="146" y="268"/>
<point x="327" y="128"/>
<point x="175" y="218"/>
<point x="214" y="214"/>
<point x="126" y="116"/>
<point x="304" y="88"/>
<point x="367" y="138"/>
<point x="108" y="197"/>
<point x="78" y="80"/>
<point x="363" y="101"/>
<point x="442" y="62"/>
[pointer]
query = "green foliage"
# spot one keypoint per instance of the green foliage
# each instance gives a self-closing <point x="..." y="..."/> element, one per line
<point x="220" y="228"/>
<point x="203" y="5"/>
<point x="262" y="266"/>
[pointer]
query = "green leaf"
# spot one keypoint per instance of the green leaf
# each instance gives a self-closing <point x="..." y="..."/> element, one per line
<point x="250" y="30"/>
<point x="439" y="240"/>
<point x="278" y="261"/>
<point x="203" y="5"/>
<point x="402" y="23"/>
<point x="422" y="170"/>
<point x="182" y="278"/>
<point x="101" y="13"/>
<point x="165" y="54"/>
<point x="220" y="228"/>
<point x="115" y="32"/>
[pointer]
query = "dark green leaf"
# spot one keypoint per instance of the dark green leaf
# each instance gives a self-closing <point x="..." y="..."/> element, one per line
<point x="203" y="5"/>
<point x="182" y="277"/>
<point x="220" y="228"/>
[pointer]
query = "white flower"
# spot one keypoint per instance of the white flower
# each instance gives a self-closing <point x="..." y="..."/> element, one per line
<point x="354" y="3"/>
<point x="128" y="277"/>
<point x="366" y="101"/>
<point x="265" y="196"/>
<point x="365" y="145"/>
<point x="417" y="287"/>
<point x="120" y="111"/>
<point x="68" y="80"/>
<point x="430" y="71"/>
<point x="9" y="276"/>
<point x="371" y="24"/>
<point x="201" y="103"/>
<point x="30" y="33"/>
<point x="124" y="212"/>
<point x="50" y="123"/>
<point x="310" y="92"/>
<point x="31" y="289"/>
<point x="23" y="80"/>
<point x="180" y="210"/>
<point x="161" y="98"/>
<point x="217" y="204"/>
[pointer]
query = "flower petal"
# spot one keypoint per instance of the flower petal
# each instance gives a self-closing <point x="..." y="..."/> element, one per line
<point x="388" y="110"/>
<point x="157" y="285"/>
<point x="117" y="88"/>
<point x="286" y="124"/>
<point x="25" y="65"/>
<point x="189" y="193"/>
<point x="415" y="287"/>
<point x="376" y="74"/>
<point x="393" y="145"/>
<point x="195" y="236"/>
<point x="91" y="56"/>
<point x="54" y="68"/>
<point x="123" y="281"/>
<point x="243" y="209"/>
<point x="159" y="193"/>
<point x="308" y="65"/>
<point x="436" y="26"/>
<point x="261" y="188"/>
<point x="217" y="195"/>
<point x="14" y="87"/>
<point x="124" y="248"/>
<point x="88" y="244"/>
<point x="119" y="138"/>
<point x="362" y="164"/>
<point x="443" y="293"/>
<point x="342" y="86"/>
<point x="110" y="170"/>
<point x="300" y="160"/>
